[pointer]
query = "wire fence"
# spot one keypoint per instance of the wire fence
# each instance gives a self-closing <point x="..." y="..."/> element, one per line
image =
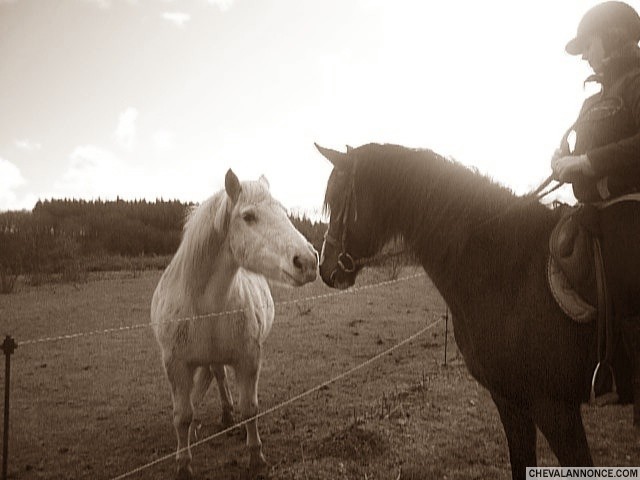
<point x="315" y="298"/>
<point x="124" y="328"/>
<point x="285" y="403"/>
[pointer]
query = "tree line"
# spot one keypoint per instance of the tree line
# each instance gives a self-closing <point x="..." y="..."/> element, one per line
<point x="57" y="233"/>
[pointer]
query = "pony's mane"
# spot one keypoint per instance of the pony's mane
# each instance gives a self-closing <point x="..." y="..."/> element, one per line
<point x="206" y="227"/>
<point x="211" y="218"/>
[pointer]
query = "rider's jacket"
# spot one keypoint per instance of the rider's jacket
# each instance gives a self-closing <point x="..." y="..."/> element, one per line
<point x="608" y="131"/>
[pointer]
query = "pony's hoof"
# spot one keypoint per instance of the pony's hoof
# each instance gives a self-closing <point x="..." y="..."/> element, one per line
<point x="227" y="420"/>
<point x="196" y="428"/>
<point x="257" y="462"/>
<point x="184" y="473"/>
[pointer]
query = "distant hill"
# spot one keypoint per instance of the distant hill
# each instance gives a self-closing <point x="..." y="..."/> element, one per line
<point x="57" y="232"/>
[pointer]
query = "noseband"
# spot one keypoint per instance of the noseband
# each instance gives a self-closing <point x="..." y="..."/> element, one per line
<point x="346" y="262"/>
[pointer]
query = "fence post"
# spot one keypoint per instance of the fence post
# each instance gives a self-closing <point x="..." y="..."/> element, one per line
<point x="8" y="347"/>
<point x="446" y="333"/>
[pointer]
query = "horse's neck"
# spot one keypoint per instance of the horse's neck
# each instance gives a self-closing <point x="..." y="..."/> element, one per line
<point x="446" y="222"/>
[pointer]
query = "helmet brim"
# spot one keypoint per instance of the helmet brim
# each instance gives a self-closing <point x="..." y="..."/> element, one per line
<point x="575" y="46"/>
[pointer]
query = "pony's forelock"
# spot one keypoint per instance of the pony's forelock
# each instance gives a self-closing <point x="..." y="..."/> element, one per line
<point x="219" y="207"/>
<point x="222" y="214"/>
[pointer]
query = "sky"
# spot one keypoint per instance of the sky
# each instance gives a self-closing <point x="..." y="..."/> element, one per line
<point x="158" y="98"/>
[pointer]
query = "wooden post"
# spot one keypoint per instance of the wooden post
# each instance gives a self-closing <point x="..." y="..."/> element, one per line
<point x="8" y="347"/>
<point x="446" y="333"/>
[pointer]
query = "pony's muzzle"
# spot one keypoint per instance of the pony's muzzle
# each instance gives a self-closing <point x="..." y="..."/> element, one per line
<point x="306" y="263"/>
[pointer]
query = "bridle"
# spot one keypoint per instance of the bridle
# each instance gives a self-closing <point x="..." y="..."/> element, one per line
<point x="346" y="263"/>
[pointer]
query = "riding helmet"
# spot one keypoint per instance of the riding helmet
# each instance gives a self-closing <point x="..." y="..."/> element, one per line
<point x="601" y="18"/>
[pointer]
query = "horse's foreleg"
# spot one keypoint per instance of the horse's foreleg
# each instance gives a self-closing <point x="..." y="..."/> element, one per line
<point x="247" y="377"/>
<point x="181" y="378"/>
<point x="226" y="399"/>
<point x="521" y="436"/>
<point x="561" y="424"/>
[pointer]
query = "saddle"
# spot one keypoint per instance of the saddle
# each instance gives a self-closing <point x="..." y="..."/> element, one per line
<point x="573" y="246"/>
<point x="577" y="281"/>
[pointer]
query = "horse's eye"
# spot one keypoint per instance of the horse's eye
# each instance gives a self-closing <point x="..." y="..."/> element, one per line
<point x="249" y="217"/>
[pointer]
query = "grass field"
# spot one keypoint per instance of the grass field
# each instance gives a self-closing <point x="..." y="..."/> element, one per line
<point x="97" y="406"/>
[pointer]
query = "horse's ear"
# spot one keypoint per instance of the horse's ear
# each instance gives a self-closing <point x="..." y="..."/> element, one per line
<point x="338" y="159"/>
<point x="232" y="185"/>
<point x="349" y="148"/>
<point x="263" y="180"/>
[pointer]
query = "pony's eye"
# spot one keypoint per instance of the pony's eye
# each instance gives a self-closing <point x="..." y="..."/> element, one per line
<point x="249" y="217"/>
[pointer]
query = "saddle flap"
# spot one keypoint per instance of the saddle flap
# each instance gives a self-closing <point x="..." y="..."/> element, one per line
<point x="571" y="248"/>
<point x="565" y="295"/>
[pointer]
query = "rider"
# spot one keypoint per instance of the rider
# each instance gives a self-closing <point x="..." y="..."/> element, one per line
<point x="604" y="166"/>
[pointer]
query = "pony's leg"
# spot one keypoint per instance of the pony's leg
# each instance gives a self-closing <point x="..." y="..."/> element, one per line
<point x="202" y="380"/>
<point x="521" y="436"/>
<point x="225" y="395"/>
<point x="247" y="378"/>
<point x="181" y="378"/>
<point x="561" y="424"/>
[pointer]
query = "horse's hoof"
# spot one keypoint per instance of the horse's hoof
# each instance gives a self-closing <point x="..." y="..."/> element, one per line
<point x="184" y="473"/>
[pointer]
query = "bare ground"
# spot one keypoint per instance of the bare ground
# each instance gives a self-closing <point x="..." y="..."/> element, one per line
<point x="97" y="406"/>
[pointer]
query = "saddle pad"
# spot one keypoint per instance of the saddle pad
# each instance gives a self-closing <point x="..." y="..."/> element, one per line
<point x="567" y="298"/>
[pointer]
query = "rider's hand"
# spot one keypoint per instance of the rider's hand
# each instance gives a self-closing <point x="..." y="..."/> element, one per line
<point x="565" y="168"/>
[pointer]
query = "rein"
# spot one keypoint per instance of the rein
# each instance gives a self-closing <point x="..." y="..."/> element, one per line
<point x="535" y="196"/>
<point x="540" y="194"/>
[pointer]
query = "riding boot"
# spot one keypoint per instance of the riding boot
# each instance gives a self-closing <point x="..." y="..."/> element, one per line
<point x="631" y="332"/>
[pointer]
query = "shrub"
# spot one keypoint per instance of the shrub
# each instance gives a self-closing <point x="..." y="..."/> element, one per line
<point x="7" y="281"/>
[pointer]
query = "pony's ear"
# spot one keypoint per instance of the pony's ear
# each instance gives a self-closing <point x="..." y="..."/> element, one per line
<point x="232" y="185"/>
<point x="338" y="159"/>
<point x="349" y="148"/>
<point x="263" y="180"/>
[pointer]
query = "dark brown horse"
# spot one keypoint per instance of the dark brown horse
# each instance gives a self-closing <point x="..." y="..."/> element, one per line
<point x="486" y="250"/>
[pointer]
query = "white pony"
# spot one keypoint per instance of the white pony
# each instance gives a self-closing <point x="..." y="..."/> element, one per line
<point x="231" y="245"/>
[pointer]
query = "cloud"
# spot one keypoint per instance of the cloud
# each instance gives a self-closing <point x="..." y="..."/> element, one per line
<point x="125" y="132"/>
<point x="10" y="179"/>
<point x="93" y="172"/>
<point x="96" y="172"/>
<point x="223" y="5"/>
<point x="106" y="4"/>
<point x="179" y="19"/>
<point x="28" y="145"/>
<point x="103" y="4"/>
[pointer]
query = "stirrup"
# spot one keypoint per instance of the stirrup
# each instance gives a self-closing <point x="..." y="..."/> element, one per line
<point x="607" y="398"/>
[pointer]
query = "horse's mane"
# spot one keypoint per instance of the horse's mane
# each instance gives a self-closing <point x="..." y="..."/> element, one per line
<point x="427" y="190"/>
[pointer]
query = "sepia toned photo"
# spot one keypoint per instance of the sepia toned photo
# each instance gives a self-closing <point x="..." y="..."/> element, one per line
<point x="308" y="240"/>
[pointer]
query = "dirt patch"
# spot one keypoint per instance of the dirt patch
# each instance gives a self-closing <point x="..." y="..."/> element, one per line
<point x="351" y="443"/>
